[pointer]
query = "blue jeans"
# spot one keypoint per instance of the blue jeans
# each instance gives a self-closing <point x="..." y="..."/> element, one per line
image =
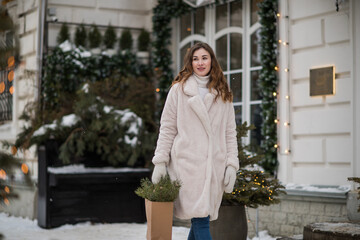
<point x="200" y="229"/>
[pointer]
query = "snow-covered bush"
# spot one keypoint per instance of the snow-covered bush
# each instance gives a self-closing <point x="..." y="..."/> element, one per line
<point x="96" y="107"/>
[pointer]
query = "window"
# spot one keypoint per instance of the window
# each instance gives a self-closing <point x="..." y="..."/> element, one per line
<point x="232" y="29"/>
<point x="192" y="30"/>
<point x="6" y="91"/>
<point x="7" y="66"/>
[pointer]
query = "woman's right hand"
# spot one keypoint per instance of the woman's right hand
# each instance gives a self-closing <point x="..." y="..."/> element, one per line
<point x="159" y="171"/>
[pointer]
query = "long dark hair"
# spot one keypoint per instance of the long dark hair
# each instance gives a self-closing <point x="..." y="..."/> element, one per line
<point x="217" y="79"/>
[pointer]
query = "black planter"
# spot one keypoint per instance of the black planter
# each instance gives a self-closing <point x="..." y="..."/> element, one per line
<point x="105" y="197"/>
<point x="231" y="224"/>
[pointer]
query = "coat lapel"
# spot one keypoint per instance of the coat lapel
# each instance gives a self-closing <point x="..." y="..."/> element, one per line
<point x="199" y="106"/>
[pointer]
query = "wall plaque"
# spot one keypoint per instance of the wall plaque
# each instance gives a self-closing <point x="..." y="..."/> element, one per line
<point x="322" y="81"/>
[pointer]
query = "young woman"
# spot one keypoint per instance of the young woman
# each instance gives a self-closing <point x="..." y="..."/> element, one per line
<point x="197" y="142"/>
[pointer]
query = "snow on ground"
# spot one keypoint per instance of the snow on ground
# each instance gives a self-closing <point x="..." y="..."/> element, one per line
<point x="15" y="228"/>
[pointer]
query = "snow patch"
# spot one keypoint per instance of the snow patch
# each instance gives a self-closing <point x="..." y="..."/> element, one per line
<point x="66" y="46"/>
<point x="25" y="229"/>
<point x="85" y="88"/>
<point x="263" y="235"/>
<point x="69" y="120"/>
<point x="42" y="130"/>
<point x="80" y="168"/>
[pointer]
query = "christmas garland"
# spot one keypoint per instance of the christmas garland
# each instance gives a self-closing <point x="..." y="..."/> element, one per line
<point x="163" y="13"/>
<point x="268" y="82"/>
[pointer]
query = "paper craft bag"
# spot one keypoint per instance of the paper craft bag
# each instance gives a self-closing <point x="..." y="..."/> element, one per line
<point x="159" y="217"/>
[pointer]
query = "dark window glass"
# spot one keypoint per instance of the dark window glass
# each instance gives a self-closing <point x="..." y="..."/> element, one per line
<point x="236" y="14"/>
<point x="256" y="119"/>
<point x="254" y="11"/>
<point x="255" y="49"/>
<point x="236" y="86"/>
<point x="235" y="51"/>
<point x="199" y="21"/>
<point x="221" y="52"/>
<point x="185" y="26"/>
<point x="255" y="88"/>
<point x="221" y="17"/>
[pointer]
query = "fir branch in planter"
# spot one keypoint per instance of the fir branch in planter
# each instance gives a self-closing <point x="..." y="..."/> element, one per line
<point x="253" y="187"/>
<point x="164" y="191"/>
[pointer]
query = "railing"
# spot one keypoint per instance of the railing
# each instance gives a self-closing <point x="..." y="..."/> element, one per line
<point x="6" y="94"/>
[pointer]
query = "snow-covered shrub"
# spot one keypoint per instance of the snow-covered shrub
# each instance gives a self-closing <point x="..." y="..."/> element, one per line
<point x="97" y="106"/>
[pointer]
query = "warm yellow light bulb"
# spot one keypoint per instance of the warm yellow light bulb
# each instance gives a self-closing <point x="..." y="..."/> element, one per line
<point x="24" y="168"/>
<point x="287" y="96"/>
<point x="279" y="40"/>
<point x="276" y="68"/>
<point x="274" y="94"/>
<point x="286" y="69"/>
<point x="276" y="121"/>
<point x="276" y="146"/>
<point x="278" y="14"/>
<point x="157" y="90"/>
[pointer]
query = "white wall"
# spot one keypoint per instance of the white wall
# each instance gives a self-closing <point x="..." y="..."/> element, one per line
<point x="25" y="15"/>
<point x="321" y="134"/>
<point x="119" y="13"/>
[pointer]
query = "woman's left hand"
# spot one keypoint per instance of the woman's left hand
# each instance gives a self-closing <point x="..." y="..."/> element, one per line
<point x="229" y="180"/>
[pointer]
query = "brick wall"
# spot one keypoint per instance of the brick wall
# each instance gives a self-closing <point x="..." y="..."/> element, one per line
<point x="294" y="212"/>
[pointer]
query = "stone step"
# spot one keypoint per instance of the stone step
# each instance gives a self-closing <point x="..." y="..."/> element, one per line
<point x="295" y="237"/>
<point x="332" y="231"/>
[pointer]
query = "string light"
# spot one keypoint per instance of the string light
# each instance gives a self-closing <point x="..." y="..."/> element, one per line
<point x="157" y="90"/>
<point x="2" y="174"/>
<point x="286" y="124"/>
<point x="2" y="87"/>
<point x="276" y="121"/>
<point x="276" y="68"/>
<point x="11" y="90"/>
<point x="13" y="150"/>
<point x="276" y="146"/>
<point x="285" y="43"/>
<point x="6" y="201"/>
<point x="7" y="189"/>
<point x="287" y="151"/>
<point x="24" y="168"/>
<point x="274" y="94"/>
<point x="279" y="40"/>
<point x="286" y="70"/>
<point x="11" y="75"/>
<point x="287" y="97"/>
<point x="278" y="15"/>
<point x="11" y="61"/>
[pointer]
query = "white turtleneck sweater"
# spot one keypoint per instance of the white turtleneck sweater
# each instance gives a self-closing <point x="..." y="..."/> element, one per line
<point x="202" y="82"/>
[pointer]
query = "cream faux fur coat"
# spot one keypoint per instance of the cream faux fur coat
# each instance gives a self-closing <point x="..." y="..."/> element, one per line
<point x="197" y="141"/>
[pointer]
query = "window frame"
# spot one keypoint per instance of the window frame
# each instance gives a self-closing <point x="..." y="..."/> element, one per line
<point x="211" y="36"/>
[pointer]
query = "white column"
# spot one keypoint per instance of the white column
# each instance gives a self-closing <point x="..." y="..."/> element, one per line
<point x="284" y="170"/>
<point x="355" y="6"/>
